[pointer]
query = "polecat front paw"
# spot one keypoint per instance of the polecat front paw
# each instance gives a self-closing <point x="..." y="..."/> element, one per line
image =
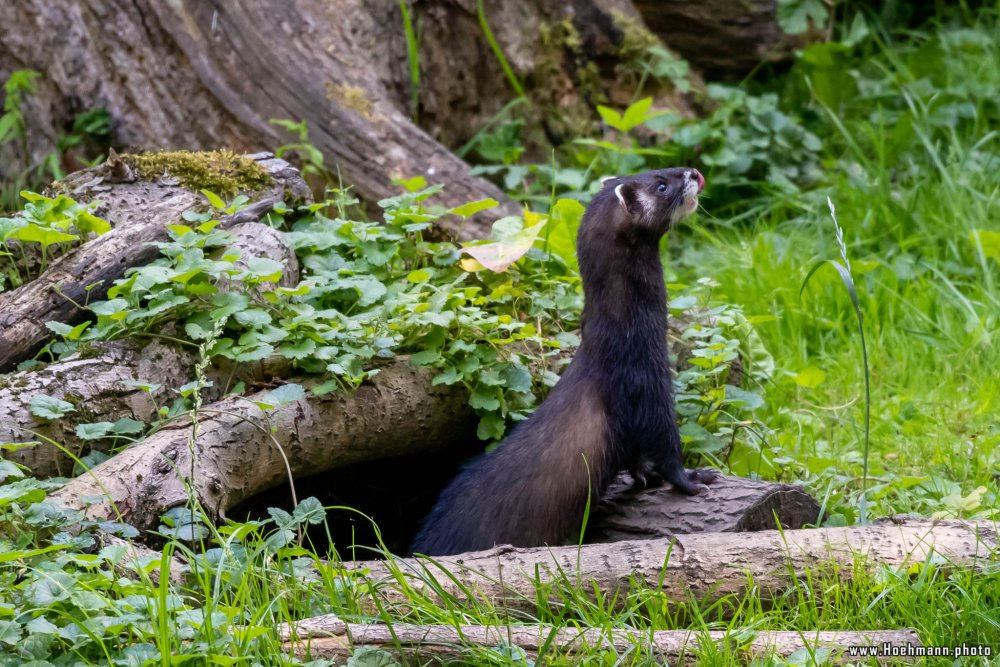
<point x="694" y="482"/>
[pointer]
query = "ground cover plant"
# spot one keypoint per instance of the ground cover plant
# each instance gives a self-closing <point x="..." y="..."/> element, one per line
<point x="898" y="128"/>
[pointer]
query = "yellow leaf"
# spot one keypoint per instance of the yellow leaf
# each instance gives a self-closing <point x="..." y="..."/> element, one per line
<point x="470" y="265"/>
<point x="532" y="218"/>
<point x="810" y="377"/>
<point x="989" y="241"/>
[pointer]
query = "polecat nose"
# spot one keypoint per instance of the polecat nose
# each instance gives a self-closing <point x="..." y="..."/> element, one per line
<point x="695" y="175"/>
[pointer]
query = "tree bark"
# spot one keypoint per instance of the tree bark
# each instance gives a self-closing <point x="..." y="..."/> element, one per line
<point x="731" y="504"/>
<point x="210" y="73"/>
<point x="331" y="638"/>
<point x="703" y="566"/>
<point x="99" y="385"/>
<point x="238" y="451"/>
<point x="139" y="211"/>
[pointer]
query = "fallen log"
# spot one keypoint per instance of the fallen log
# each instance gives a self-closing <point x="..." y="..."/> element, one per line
<point x="702" y="566"/>
<point x="102" y="383"/>
<point x="239" y="451"/>
<point x="328" y="637"/>
<point x="731" y="504"/>
<point x="102" y="380"/>
<point x="139" y="210"/>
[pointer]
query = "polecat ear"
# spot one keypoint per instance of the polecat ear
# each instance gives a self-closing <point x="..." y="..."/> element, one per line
<point x="607" y="179"/>
<point x="626" y="197"/>
<point x="620" y="193"/>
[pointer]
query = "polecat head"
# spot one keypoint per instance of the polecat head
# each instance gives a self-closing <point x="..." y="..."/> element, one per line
<point x="655" y="201"/>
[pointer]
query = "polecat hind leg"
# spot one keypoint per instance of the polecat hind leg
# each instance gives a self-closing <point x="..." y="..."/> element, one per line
<point x="644" y="474"/>
<point x="694" y="482"/>
<point x="704" y="475"/>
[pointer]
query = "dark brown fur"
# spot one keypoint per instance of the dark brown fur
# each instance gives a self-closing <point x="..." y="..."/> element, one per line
<point x="613" y="407"/>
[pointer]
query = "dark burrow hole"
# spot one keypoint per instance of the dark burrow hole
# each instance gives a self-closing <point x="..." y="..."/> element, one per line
<point x="396" y="493"/>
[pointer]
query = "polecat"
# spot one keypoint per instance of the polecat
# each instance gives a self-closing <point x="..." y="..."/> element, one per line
<point x="613" y="407"/>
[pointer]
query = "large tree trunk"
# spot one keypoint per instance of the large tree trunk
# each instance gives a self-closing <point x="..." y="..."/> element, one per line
<point x="213" y="73"/>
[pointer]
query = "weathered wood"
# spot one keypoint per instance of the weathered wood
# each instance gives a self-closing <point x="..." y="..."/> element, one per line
<point x="139" y="212"/>
<point x="331" y="638"/>
<point x="235" y="66"/>
<point x="239" y="452"/>
<point x="731" y="504"/>
<point x="705" y="566"/>
<point x="99" y="382"/>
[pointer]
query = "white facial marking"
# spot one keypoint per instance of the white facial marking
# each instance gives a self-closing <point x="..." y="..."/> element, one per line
<point x="647" y="201"/>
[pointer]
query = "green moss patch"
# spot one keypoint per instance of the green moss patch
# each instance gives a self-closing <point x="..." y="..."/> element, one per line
<point x="223" y="172"/>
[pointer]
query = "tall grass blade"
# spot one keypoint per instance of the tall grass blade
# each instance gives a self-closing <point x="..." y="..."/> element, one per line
<point x="848" y="280"/>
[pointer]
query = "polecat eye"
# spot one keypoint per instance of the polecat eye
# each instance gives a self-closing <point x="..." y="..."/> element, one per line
<point x="662" y="187"/>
